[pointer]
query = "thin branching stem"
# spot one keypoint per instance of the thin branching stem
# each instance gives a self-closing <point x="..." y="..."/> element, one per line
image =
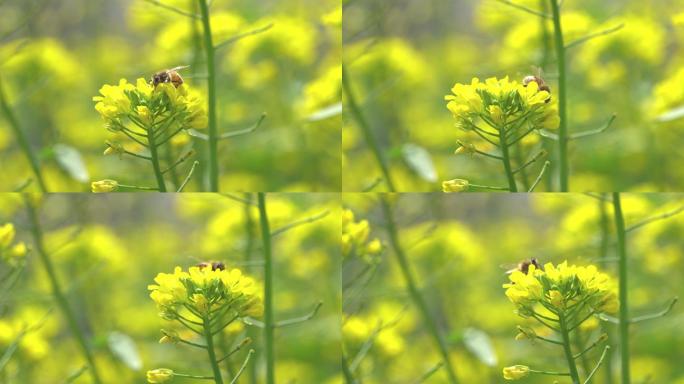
<point x="22" y="139"/>
<point x="59" y="295"/>
<point x="370" y="139"/>
<point x="414" y="292"/>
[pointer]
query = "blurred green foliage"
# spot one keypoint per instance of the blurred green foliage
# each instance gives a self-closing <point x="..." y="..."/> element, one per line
<point x="403" y="56"/>
<point x="55" y="56"/>
<point x="459" y="248"/>
<point x="108" y="249"/>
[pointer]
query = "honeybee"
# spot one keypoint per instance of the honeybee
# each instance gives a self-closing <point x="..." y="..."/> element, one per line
<point x="540" y="83"/>
<point x="213" y="264"/>
<point x="168" y="76"/>
<point x="524" y="266"/>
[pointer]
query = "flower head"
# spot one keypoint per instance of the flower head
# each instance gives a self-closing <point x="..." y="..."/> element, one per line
<point x="503" y="104"/>
<point x="562" y="287"/>
<point x="145" y="107"/>
<point x="355" y="240"/>
<point x="516" y="372"/>
<point x="12" y="253"/>
<point x="204" y="289"/>
<point x="159" y="375"/>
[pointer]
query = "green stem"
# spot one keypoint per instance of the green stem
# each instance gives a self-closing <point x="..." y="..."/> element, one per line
<point x="22" y="139"/>
<point x="249" y="233"/>
<point x="154" y="159"/>
<point x="210" y="349"/>
<point x="346" y="371"/>
<point x="268" y="289"/>
<point x="365" y="128"/>
<point x="506" y="159"/>
<point x="57" y="290"/>
<point x="414" y="292"/>
<point x="562" y="99"/>
<point x="603" y="256"/>
<point x="211" y="90"/>
<point x="622" y="290"/>
<point x="565" y="334"/>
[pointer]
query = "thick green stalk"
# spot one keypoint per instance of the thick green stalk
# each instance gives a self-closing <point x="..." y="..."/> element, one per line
<point x="562" y="97"/>
<point x="365" y="128"/>
<point x="565" y="334"/>
<point x="268" y="289"/>
<point x="622" y="290"/>
<point x="154" y="159"/>
<point x="603" y="260"/>
<point x="414" y="292"/>
<point x="546" y="54"/>
<point x="211" y="95"/>
<point x="249" y="233"/>
<point x="507" y="160"/>
<point x="57" y="290"/>
<point x="210" y="349"/>
<point x="22" y="139"/>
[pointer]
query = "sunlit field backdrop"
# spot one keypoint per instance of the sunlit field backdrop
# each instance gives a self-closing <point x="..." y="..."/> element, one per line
<point x="458" y="250"/>
<point x="55" y="56"/>
<point x="107" y="250"/>
<point x="403" y="56"/>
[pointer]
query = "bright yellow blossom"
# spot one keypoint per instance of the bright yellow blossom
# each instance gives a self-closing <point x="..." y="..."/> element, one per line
<point x="502" y="104"/>
<point x="203" y="289"/>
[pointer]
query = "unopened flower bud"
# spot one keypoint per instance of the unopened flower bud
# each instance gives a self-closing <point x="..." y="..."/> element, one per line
<point x="104" y="186"/>
<point x="455" y="185"/>
<point x="516" y="372"/>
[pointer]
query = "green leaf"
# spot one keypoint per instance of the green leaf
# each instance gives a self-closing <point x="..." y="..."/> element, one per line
<point x="124" y="348"/>
<point x="420" y="161"/>
<point x="480" y="345"/>
<point x="70" y="159"/>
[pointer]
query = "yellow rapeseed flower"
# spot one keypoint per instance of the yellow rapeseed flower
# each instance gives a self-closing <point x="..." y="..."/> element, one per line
<point x="355" y="239"/>
<point x="204" y="289"/>
<point x="562" y="286"/>
<point x="502" y="104"/>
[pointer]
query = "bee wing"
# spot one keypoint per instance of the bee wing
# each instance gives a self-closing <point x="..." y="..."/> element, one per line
<point x="509" y="267"/>
<point x="179" y="68"/>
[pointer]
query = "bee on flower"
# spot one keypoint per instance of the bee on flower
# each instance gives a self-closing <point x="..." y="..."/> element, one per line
<point x="150" y="116"/>
<point x="503" y="113"/>
<point x="561" y="298"/>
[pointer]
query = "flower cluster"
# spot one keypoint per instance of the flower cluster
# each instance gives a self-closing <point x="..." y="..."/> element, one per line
<point x="562" y="288"/>
<point x="355" y="238"/>
<point x="11" y="252"/>
<point x="205" y="291"/>
<point x="503" y="105"/>
<point x="148" y="106"/>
